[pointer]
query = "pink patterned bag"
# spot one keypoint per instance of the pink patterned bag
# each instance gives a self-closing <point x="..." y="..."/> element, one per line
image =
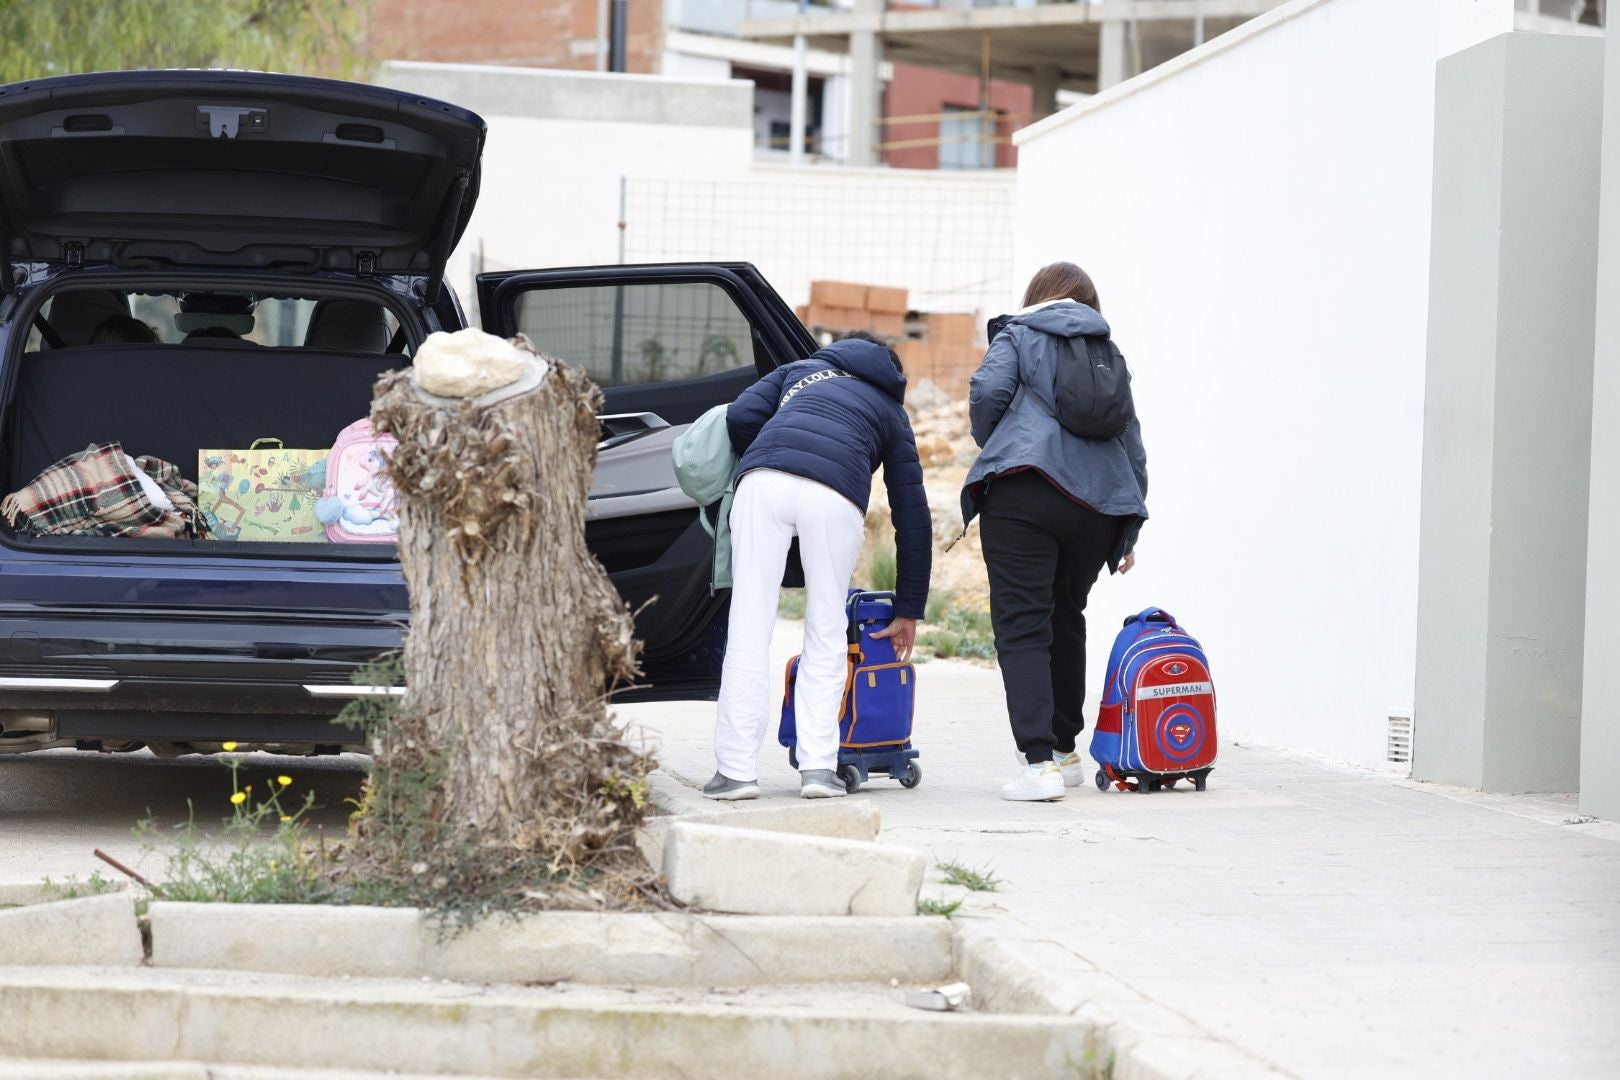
<point x="359" y="504"/>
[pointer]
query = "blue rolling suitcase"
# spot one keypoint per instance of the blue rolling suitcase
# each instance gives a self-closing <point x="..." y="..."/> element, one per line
<point x="880" y="695"/>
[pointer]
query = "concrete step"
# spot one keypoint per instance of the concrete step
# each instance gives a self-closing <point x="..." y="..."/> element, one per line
<point x="662" y="949"/>
<point x="91" y="930"/>
<point x="756" y="872"/>
<point x="845" y="819"/>
<point x="36" y="1069"/>
<point x="423" y="1027"/>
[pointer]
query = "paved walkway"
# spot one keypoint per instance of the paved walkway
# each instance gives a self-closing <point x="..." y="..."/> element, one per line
<point x="1331" y="921"/>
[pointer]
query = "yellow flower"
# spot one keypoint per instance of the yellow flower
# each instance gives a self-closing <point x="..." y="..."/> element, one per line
<point x="227" y="746"/>
<point x="239" y="798"/>
<point x="284" y="781"/>
<point x="274" y="865"/>
<point x="285" y="819"/>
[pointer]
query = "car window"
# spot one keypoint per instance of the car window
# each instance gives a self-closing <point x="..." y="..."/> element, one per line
<point x="274" y="321"/>
<point x="639" y="333"/>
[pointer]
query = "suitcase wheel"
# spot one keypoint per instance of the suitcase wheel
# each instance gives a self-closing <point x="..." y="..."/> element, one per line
<point x="913" y="775"/>
<point x="1201" y="781"/>
<point x="1102" y="780"/>
<point x="851" y="776"/>
<point x="1147" y="785"/>
<point x="793" y="757"/>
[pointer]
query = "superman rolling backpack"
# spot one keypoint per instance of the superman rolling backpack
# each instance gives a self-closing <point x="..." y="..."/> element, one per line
<point x="1156" y="724"/>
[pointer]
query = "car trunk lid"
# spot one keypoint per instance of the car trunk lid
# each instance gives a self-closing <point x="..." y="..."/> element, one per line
<point x="237" y="169"/>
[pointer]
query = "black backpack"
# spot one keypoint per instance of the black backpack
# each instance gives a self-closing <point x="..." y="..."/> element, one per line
<point x="1093" y="388"/>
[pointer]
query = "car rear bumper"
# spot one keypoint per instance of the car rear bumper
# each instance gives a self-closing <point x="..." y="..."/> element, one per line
<point x="180" y="678"/>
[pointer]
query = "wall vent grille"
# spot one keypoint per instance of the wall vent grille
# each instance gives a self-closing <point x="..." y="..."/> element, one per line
<point x="1399" y="746"/>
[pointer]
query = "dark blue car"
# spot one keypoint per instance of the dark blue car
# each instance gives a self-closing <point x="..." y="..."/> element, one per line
<point x="285" y="240"/>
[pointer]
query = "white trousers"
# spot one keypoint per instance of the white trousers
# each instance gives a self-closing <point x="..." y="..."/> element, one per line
<point x="768" y="509"/>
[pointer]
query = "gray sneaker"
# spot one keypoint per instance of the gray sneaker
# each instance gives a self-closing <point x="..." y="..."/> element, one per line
<point x="728" y="790"/>
<point x="820" y="784"/>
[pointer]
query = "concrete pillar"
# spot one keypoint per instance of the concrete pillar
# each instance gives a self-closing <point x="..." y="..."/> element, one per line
<point x="1113" y="54"/>
<point x="1507" y="416"/>
<point x="1600" y="704"/>
<point x="1045" y="87"/>
<point x="866" y="88"/>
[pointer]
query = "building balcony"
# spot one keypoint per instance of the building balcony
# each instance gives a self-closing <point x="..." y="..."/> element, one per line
<point x="722" y="17"/>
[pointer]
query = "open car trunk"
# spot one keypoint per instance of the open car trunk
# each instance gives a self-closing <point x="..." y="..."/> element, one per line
<point x="233" y="169"/>
<point x="174" y="401"/>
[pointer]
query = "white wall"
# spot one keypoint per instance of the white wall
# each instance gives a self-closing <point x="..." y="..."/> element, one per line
<point x="684" y="65"/>
<point x="1600" y="705"/>
<point x="1256" y="216"/>
<point x="550" y="193"/>
<point x="1507" y="435"/>
<point x="1464" y="23"/>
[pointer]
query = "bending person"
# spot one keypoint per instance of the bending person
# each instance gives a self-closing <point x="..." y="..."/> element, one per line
<point x="810" y="436"/>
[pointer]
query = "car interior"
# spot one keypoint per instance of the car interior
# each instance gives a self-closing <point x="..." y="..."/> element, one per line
<point x="177" y="375"/>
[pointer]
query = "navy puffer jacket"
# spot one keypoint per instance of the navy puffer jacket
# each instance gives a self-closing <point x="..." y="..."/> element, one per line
<point x="834" y="418"/>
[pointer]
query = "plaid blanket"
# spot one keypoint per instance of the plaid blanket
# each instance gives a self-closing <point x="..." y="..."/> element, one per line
<point x="97" y="493"/>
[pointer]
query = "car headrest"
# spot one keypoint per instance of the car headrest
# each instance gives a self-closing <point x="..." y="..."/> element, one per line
<point x="348" y="326"/>
<point x="75" y="315"/>
<point x="227" y="341"/>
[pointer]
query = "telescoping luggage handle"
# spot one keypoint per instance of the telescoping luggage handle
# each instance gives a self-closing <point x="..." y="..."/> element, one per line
<point x="1154" y="615"/>
<point x="853" y="606"/>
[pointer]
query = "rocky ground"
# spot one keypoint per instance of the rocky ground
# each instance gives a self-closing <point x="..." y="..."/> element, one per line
<point x="947" y="451"/>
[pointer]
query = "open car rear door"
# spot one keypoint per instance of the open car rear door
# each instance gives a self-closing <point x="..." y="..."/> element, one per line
<point x="665" y="343"/>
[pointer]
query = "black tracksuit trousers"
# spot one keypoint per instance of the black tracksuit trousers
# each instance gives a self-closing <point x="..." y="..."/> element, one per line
<point x="1044" y="552"/>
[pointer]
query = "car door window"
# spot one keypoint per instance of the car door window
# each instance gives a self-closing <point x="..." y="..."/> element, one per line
<point x="666" y="343"/>
<point x="637" y="333"/>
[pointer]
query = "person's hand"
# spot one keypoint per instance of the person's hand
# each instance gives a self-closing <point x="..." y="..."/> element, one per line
<point x="1127" y="562"/>
<point x="904" y="633"/>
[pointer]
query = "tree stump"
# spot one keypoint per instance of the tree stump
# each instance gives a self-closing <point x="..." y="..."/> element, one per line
<point x="516" y="633"/>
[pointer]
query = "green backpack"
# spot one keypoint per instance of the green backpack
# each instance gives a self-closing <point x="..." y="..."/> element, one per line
<point x="705" y="465"/>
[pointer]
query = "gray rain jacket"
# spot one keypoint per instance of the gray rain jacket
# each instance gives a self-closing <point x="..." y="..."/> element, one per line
<point x="1011" y="402"/>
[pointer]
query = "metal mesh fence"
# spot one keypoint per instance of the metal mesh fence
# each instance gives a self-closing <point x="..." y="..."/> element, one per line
<point x="948" y="241"/>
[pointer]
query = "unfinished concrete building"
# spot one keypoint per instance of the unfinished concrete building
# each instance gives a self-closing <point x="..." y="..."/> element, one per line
<point x="1058" y="47"/>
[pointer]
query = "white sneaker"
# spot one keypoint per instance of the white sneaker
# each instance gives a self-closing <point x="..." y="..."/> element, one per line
<point x="1072" y="766"/>
<point x="1035" y="783"/>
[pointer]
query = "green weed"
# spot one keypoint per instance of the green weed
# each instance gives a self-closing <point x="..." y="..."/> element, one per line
<point x="957" y="630"/>
<point x="394" y="855"/>
<point x="946" y="908"/>
<point x="372" y="714"/>
<point x="75" y="888"/>
<point x="955" y="873"/>
<point x="942" y="643"/>
<point x="885" y="569"/>
<point x="242" y="865"/>
<point x="1091" y="1068"/>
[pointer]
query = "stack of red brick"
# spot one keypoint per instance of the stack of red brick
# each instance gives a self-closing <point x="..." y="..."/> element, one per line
<point x="948" y="352"/>
<point x="841" y="305"/>
<point x="941" y="346"/>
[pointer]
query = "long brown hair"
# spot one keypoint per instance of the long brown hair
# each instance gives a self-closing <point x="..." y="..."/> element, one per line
<point x="1062" y="281"/>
